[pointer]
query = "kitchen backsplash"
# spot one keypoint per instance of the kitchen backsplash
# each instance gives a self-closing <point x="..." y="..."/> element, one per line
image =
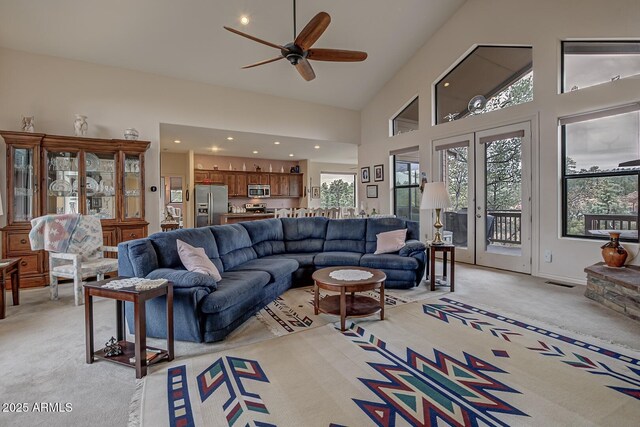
<point x="271" y="203"/>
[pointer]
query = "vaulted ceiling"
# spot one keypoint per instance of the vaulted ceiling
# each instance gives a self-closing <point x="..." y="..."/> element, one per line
<point x="185" y="39"/>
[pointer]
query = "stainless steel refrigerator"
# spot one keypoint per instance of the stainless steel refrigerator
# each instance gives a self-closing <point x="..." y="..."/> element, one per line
<point x="211" y="202"/>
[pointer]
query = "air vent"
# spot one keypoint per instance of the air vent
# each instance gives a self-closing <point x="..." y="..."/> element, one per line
<point x="564" y="285"/>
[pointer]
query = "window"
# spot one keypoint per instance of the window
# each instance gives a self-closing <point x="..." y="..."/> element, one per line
<point x="590" y="63"/>
<point x="337" y="190"/>
<point x="489" y="78"/>
<point x="406" y="189"/>
<point x="175" y="193"/>
<point x="407" y="120"/>
<point x="600" y="173"/>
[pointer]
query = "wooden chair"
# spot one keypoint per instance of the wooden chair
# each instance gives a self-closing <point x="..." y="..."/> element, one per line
<point x="301" y="213"/>
<point x="283" y="213"/>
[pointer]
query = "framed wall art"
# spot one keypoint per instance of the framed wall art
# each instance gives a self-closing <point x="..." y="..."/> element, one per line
<point x="378" y="173"/>
<point x="372" y="191"/>
<point x="364" y="174"/>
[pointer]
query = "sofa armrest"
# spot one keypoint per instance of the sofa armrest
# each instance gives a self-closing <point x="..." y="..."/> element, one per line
<point x="411" y="247"/>
<point x="184" y="278"/>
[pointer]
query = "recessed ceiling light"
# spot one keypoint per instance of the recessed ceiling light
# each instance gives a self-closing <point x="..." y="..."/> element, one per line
<point x="291" y="155"/>
<point x="244" y="19"/>
<point x="255" y="152"/>
<point x="277" y="142"/>
<point x="229" y="138"/>
<point x="446" y="84"/>
<point x="317" y="147"/>
<point x="177" y="141"/>
<point x="214" y="148"/>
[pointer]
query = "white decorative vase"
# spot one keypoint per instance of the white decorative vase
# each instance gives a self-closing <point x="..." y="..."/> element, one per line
<point x="281" y="169"/>
<point x="131" y="134"/>
<point x="244" y="167"/>
<point x="270" y="168"/>
<point x="80" y="125"/>
<point x="28" y="124"/>
<point x="230" y="167"/>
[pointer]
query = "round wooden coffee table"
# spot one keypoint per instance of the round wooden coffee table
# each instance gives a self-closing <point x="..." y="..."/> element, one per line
<point x="352" y="305"/>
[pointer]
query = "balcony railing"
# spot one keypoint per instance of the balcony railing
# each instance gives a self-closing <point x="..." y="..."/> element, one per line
<point x="609" y="222"/>
<point x="506" y="226"/>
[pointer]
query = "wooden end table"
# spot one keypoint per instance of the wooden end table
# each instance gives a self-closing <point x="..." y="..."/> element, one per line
<point x="11" y="270"/>
<point x="138" y="348"/>
<point x="353" y="305"/>
<point x="431" y="263"/>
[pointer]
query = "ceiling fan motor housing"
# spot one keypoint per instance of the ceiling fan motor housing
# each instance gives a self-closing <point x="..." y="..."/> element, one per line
<point x="293" y="53"/>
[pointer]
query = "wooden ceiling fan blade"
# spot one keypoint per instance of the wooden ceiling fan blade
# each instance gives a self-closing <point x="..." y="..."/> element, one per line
<point x="266" y="61"/>
<point x="337" y="55"/>
<point x="313" y="30"/>
<point x="305" y="70"/>
<point x="255" y="39"/>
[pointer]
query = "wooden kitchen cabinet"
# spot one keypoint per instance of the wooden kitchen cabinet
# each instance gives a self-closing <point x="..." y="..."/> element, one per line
<point x="295" y="185"/>
<point x="241" y="185"/>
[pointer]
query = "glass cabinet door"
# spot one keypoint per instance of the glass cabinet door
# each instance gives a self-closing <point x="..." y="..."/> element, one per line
<point x="100" y="184"/>
<point x="132" y="186"/>
<point x="24" y="185"/>
<point x="63" y="184"/>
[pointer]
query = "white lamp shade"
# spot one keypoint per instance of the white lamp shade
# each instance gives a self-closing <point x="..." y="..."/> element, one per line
<point x="435" y="196"/>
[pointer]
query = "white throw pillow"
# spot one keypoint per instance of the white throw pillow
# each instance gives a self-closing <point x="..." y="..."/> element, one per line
<point x="390" y="241"/>
<point x="196" y="260"/>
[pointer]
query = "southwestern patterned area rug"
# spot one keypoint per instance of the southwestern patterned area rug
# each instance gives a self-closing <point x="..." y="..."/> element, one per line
<point x="436" y="362"/>
<point x="293" y="310"/>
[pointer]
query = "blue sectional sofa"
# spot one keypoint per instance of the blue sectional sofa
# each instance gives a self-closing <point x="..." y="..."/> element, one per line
<point x="258" y="261"/>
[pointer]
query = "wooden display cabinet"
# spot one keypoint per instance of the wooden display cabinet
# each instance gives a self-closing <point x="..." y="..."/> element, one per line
<point x="48" y="174"/>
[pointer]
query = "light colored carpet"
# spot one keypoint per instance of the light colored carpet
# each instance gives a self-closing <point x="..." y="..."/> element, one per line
<point x="42" y="343"/>
<point x="431" y="362"/>
<point x="293" y="311"/>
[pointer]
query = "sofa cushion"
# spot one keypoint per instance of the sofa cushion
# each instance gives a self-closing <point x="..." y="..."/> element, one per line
<point x="390" y="241"/>
<point x="412" y="247"/>
<point x="304" y="234"/>
<point x="165" y="244"/>
<point x="346" y="235"/>
<point x="239" y="289"/>
<point x="376" y="226"/>
<point x="391" y="261"/>
<point x="275" y="267"/>
<point x="234" y="245"/>
<point x="266" y="236"/>
<point x="304" y="259"/>
<point x="194" y="259"/>
<point x="141" y="256"/>
<point x="326" y="259"/>
<point x="183" y="278"/>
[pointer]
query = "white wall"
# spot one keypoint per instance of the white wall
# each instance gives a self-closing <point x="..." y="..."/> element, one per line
<point x="541" y="24"/>
<point x="53" y="89"/>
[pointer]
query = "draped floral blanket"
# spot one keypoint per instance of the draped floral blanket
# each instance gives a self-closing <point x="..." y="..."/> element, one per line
<point x="68" y="233"/>
<point x="440" y="362"/>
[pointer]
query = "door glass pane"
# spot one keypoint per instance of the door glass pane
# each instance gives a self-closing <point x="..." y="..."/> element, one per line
<point x="503" y="196"/>
<point x="455" y="172"/>
<point x="100" y="184"/>
<point x="132" y="186"/>
<point x="23" y="184"/>
<point x="62" y="182"/>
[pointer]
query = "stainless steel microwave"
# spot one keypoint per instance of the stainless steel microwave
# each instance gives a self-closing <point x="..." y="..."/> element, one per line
<point x="259" y="191"/>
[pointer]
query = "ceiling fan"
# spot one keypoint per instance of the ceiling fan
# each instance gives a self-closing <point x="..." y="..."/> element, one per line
<point x="300" y="51"/>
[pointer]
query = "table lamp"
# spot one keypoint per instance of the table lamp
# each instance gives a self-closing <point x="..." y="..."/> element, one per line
<point x="435" y="196"/>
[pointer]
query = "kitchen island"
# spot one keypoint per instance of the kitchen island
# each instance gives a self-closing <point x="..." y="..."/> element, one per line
<point x="232" y="218"/>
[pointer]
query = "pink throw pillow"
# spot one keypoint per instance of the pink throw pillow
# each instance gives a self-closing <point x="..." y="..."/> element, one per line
<point x="390" y="241"/>
<point x="196" y="260"/>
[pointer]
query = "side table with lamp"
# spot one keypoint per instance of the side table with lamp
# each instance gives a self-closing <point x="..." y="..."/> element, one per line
<point x="435" y="196"/>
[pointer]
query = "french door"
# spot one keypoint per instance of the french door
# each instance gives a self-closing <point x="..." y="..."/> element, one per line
<point x="488" y="176"/>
